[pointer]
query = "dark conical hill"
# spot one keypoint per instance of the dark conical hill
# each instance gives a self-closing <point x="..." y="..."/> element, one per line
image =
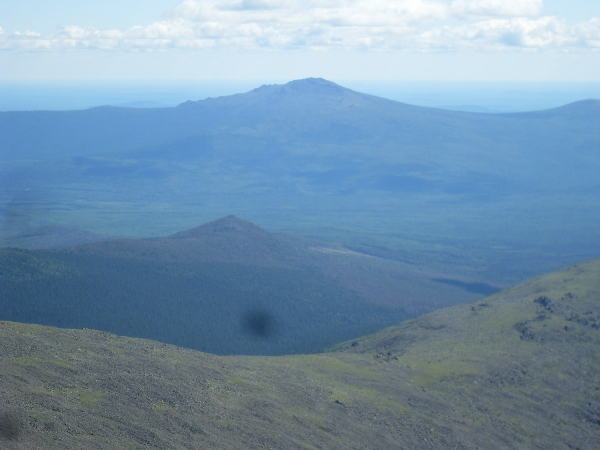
<point x="231" y="239"/>
<point x="200" y="289"/>
<point x="228" y="239"/>
<point x="230" y="224"/>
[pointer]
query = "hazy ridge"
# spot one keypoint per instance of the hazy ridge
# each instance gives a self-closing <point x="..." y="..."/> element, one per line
<point x="515" y="192"/>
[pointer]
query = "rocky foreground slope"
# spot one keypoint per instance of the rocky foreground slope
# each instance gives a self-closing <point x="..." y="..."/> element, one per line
<point x="519" y="369"/>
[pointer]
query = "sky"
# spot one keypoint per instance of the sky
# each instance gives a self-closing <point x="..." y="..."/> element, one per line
<point x="479" y="40"/>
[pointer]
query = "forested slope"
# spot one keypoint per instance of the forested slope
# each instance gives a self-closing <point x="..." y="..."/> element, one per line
<point x="226" y="287"/>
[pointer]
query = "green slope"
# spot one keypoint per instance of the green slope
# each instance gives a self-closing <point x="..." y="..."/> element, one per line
<point x="520" y="369"/>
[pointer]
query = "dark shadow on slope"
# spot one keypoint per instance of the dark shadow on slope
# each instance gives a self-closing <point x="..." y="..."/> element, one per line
<point x="259" y="323"/>
<point x="475" y="288"/>
<point x="10" y="425"/>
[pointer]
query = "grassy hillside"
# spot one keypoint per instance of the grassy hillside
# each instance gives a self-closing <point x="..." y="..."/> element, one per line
<point x="227" y="287"/>
<point x="519" y="369"/>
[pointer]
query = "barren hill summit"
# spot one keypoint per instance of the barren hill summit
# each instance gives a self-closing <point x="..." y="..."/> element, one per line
<point x="230" y="225"/>
<point x="315" y="88"/>
<point x="231" y="239"/>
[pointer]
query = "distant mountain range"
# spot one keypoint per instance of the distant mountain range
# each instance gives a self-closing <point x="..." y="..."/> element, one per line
<point x="311" y="110"/>
<point x="226" y="287"/>
<point x="493" y="197"/>
<point x="518" y="369"/>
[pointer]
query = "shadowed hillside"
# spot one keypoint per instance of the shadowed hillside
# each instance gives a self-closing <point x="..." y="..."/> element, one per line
<point x="518" y="369"/>
<point x="226" y="287"/>
<point x="52" y="237"/>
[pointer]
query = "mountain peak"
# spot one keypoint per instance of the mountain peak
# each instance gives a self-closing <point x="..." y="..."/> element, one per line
<point x="317" y="86"/>
<point x="313" y="83"/>
<point x="229" y="224"/>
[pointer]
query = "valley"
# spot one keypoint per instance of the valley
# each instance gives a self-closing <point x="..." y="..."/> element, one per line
<point x="299" y="266"/>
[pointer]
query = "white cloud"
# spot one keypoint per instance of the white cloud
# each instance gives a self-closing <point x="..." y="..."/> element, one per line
<point x="588" y="33"/>
<point x="301" y="13"/>
<point x="542" y="33"/>
<point x="491" y="8"/>
<point x="28" y="33"/>
<point x="321" y="24"/>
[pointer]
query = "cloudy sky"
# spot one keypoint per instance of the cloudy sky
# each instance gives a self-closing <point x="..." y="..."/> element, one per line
<point x="282" y="39"/>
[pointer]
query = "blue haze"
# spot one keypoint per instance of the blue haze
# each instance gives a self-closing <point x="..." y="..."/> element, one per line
<point x="462" y="96"/>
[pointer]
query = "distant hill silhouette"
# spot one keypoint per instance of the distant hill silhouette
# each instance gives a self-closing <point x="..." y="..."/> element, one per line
<point x="312" y="109"/>
<point x="202" y="288"/>
<point x="230" y="225"/>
